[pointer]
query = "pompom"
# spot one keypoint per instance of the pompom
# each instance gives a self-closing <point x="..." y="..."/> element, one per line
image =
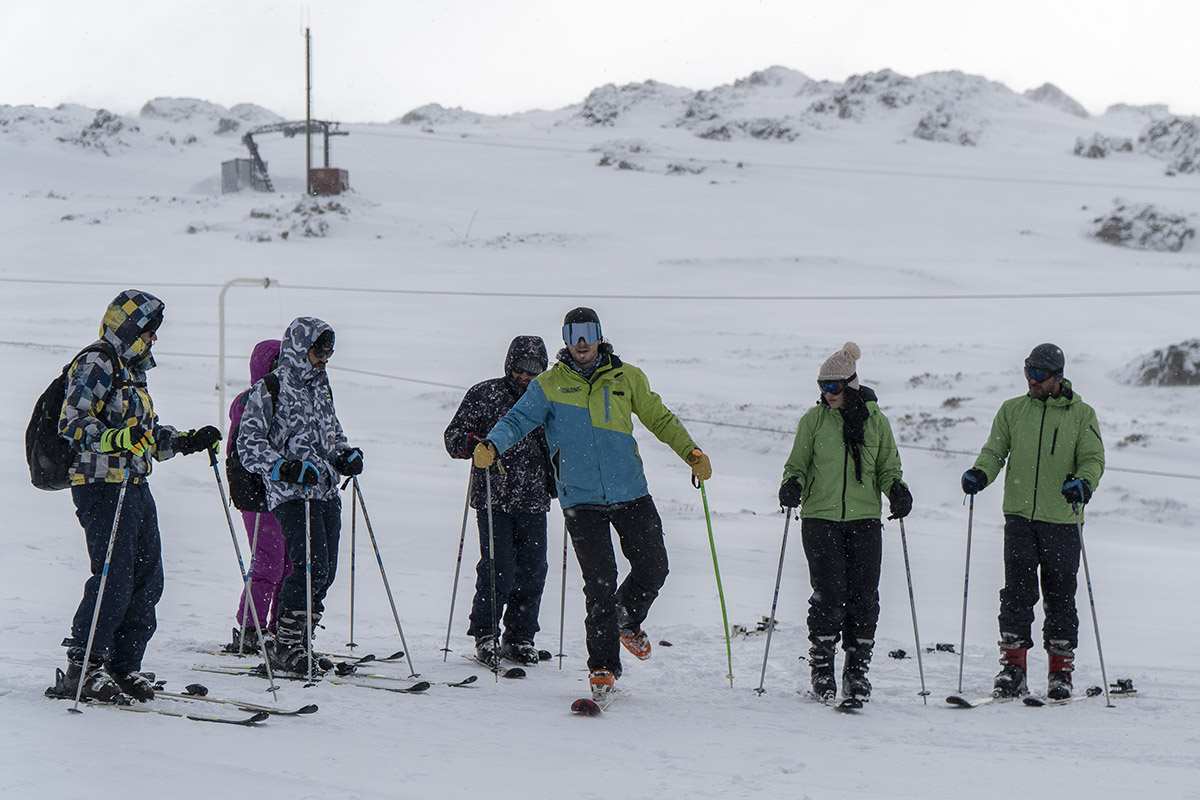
<point x="852" y="350"/>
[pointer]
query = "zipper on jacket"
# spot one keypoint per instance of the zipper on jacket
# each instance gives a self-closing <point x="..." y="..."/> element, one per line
<point x="1037" y="465"/>
<point x="845" y="466"/>
<point x="606" y="413"/>
<point x="1054" y="441"/>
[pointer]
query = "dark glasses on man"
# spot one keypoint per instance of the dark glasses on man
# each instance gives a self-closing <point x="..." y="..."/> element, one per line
<point x="322" y="352"/>
<point x="833" y="387"/>
<point x="574" y="331"/>
<point x="1038" y="374"/>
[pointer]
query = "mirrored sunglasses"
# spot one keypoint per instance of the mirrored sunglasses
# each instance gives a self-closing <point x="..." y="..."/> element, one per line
<point x="574" y="331"/>
<point x="322" y="352"/>
<point x="833" y="387"/>
<point x="1038" y="374"/>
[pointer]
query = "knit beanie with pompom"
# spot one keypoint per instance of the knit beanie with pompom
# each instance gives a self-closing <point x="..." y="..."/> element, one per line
<point x="842" y="365"/>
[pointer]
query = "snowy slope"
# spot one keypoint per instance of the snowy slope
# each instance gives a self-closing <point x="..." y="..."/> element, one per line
<point x="728" y="279"/>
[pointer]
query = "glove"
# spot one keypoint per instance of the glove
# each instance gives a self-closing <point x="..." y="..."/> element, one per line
<point x="196" y="440"/>
<point x="701" y="467"/>
<point x="973" y="480"/>
<point x="790" y="492"/>
<point x="484" y="454"/>
<point x="472" y="440"/>
<point x="900" y="500"/>
<point x="295" y="471"/>
<point x="349" y="462"/>
<point x="136" y="440"/>
<point x="1077" y="490"/>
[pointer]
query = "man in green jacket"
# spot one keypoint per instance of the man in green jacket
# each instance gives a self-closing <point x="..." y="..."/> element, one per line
<point x="843" y="459"/>
<point x="1051" y="441"/>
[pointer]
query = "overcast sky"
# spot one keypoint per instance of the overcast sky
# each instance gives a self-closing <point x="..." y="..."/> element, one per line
<point x="374" y="60"/>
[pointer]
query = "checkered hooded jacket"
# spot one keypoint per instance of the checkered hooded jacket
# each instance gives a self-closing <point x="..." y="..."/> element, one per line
<point x="91" y="406"/>
<point x="301" y="424"/>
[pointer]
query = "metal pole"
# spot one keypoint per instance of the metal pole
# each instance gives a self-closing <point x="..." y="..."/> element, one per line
<point x="787" y="520"/>
<point x="492" y="558"/>
<point x="717" y="571"/>
<point x="353" y="550"/>
<point x="308" y="188"/>
<point x="912" y="603"/>
<point x="249" y="579"/>
<point x="112" y="538"/>
<point x="263" y="282"/>
<point x="1092" y="601"/>
<point x="962" y="647"/>
<point x="383" y="573"/>
<point x="562" y="603"/>
<point x="458" y="565"/>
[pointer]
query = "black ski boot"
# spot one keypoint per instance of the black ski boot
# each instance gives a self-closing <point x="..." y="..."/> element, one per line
<point x="820" y="659"/>
<point x="138" y="685"/>
<point x="521" y="652"/>
<point x="854" y="672"/>
<point x="1062" y="664"/>
<point x="98" y="685"/>
<point x="487" y="650"/>
<point x="289" y="653"/>
<point x="1010" y="682"/>
<point x="244" y="643"/>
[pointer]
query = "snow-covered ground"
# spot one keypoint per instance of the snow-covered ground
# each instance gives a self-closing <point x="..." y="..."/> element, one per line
<point x="727" y="266"/>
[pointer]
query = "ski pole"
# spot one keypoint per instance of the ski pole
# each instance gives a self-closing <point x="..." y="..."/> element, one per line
<point x="353" y="552"/>
<point x="250" y="580"/>
<point x="383" y="573"/>
<point x="912" y="604"/>
<point x="262" y="645"/>
<point x="112" y="538"/>
<point x="787" y="520"/>
<point x="308" y="603"/>
<point x="458" y="564"/>
<point x="962" y="647"/>
<point x="1092" y="601"/>
<point x="487" y="474"/>
<point x="562" y="604"/>
<point x="717" y="571"/>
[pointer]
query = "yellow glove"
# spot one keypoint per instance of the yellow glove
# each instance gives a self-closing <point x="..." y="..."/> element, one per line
<point x="484" y="455"/>
<point x="701" y="467"/>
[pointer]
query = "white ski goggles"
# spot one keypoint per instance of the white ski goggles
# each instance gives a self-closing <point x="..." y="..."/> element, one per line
<point x="588" y="331"/>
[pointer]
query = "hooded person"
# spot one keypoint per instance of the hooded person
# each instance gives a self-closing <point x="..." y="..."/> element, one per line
<point x="586" y="403"/>
<point x="1048" y="442"/>
<point x="296" y="441"/>
<point x="109" y="419"/>
<point x="520" y="498"/>
<point x="843" y="459"/>
<point x="269" y="562"/>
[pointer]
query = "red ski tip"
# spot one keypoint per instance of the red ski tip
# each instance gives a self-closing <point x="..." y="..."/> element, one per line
<point x="587" y="708"/>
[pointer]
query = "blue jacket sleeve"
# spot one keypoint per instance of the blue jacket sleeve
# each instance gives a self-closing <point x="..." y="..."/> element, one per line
<point x="529" y="413"/>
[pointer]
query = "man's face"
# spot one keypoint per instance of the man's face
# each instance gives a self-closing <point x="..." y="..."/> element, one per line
<point x="523" y="378"/>
<point x="1042" y="383"/>
<point x="319" y="357"/>
<point x="585" y="354"/>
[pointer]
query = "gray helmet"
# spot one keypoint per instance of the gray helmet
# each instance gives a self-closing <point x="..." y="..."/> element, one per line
<point x="1047" y="356"/>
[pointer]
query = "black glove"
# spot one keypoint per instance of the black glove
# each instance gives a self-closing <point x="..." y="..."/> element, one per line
<point x="1077" y="490"/>
<point x="349" y="462"/>
<point x="900" y="499"/>
<point x="973" y="480"/>
<point x="790" y="492"/>
<point x="295" y="471"/>
<point x="197" y="440"/>
<point x="469" y="447"/>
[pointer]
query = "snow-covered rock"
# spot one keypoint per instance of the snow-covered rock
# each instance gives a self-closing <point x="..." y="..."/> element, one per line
<point x="1177" y="365"/>
<point x="1143" y="227"/>
<point x="435" y="114"/>
<point x="1175" y="140"/>
<point x="1050" y="95"/>
<point x="1099" y="146"/>
<point x="609" y="103"/>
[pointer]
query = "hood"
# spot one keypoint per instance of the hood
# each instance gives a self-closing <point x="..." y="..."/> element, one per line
<point x="126" y="318"/>
<point x="300" y="335"/>
<point x="523" y="347"/>
<point x="260" y="360"/>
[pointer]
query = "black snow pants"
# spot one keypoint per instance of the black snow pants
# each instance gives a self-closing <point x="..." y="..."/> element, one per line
<point x="1054" y="547"/>
<point x="843" y="568"/>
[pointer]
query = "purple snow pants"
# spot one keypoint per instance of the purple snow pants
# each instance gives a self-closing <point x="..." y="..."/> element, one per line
<point x="269" y="566"/>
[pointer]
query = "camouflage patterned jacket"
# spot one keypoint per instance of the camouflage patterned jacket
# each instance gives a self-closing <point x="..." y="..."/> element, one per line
<point x="90" y="406"/>
<point x="301" y="424"/>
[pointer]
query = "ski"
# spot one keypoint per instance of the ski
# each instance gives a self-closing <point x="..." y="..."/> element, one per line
<point x="1037" y="701"/>
<point x="417" y="688"/>
<point x="125" y="703"/>
<point x="467" y="681"/>
<point x="965" y="702"/>
<point x="846" y="706"/>
<point x="199" y="693"/>
<point x="503" y="672"/>
<point x="587" y="707"/>
<point x="369" y="658"/>
<point x="260" y="671"/>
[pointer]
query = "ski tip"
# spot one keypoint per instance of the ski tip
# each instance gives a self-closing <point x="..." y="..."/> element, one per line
<point x="311" y="708"/>
<point x="585" y="707"/>
<point x="958" y="702"/>
<point x="849" y="704"/>
<point x="261" y="716"/>
<point x="419" y="686"/>
<point x="196" y="690"/>
<point x="513" y="672"/>
<point x="468" y="679"/>
<point x="1032" y="701"/>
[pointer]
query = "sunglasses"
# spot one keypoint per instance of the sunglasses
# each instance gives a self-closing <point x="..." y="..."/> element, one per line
<point x="526" y="372"/>
<point x="322" y="352"/>
<point x="1037" y="374"/>
<point x="574" y="331"/>
<point x="833" y="387"/>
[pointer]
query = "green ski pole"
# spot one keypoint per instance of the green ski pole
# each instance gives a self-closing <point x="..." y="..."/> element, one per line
<point x="699" y="484"/>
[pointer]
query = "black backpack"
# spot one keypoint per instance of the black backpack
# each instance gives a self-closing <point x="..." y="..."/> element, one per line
<point x="49" y="455"/>
<point x="247" y="490"/>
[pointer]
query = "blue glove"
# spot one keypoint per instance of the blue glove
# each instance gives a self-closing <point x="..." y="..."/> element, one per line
<point x="294" y="471"/>
<point x="973" y="480"/>
<point x="1077" y="490"/>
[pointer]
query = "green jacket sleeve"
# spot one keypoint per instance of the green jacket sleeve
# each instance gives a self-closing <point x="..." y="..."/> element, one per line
<point x="800" y="460"/>
<point x="659" y="419"/>
<point x="887" y="465"/>
<point x="997" y="447"/>
<point x="1089" y="449"/>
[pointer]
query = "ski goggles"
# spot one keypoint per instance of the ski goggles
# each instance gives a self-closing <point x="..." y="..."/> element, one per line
<point x="588" y="331"/>
<point x="1038" y="374"/>
<point x="834" y="387"/>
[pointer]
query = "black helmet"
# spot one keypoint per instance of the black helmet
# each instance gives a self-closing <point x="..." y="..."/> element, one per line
<point x="1047" y="356"/>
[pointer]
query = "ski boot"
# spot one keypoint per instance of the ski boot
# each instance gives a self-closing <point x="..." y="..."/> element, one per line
<point x="1010" y="682"/>
<point x="603" y="683"/>
<point x="1062" y="664"/>
<point x="97" y="685"/>
<point x="854" y="673"/>
<point x="820" y="659"/>
<point x="487" y="651"/>
<point x="635" y="641"/>
<point x="521" y="652"/>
